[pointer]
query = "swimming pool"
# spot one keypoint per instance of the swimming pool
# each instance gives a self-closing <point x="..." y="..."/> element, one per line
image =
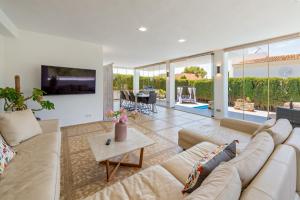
<point x="201" y="107"/>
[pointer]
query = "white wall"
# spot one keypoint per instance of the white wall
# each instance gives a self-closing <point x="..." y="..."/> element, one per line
<point x="7" y="27"/>
<point x="289" y="68"/>
<point x="25" y="54"/>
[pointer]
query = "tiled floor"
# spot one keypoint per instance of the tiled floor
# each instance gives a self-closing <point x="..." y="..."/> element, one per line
<point x="82" y="176"/>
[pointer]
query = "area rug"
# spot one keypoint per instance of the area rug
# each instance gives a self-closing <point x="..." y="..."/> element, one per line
<point x="82" y="176"/>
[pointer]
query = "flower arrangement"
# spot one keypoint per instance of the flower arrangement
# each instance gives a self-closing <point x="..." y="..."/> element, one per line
<point x="121" y="115"/>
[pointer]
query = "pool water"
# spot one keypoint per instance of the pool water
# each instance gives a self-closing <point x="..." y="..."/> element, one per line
<point x="201" y="107"/>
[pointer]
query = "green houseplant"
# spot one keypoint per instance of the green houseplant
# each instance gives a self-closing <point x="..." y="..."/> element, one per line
<point x="15" y="101"/>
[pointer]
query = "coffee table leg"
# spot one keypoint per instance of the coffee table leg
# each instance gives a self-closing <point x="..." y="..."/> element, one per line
<point x="107" y="170"/>
<point x="109" y="174"/>
<point x="112" y="173"/>
<point x="141" y="158"/>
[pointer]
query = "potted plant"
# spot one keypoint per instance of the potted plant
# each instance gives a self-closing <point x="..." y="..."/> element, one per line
<point x="16" y="101"/>
<point x="120" y="118"/>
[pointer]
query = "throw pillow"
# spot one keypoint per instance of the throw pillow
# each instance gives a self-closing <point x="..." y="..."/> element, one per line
<point x="280" y="131"/>
<point x="222" y="184"/>
<point x="207" y="164"/>
<point x="6" y="155"/>
<point x="18" y="126"/>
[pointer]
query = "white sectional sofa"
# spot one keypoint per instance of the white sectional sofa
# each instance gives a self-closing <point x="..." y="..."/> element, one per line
<point x="34" y="173"/>
<point x="264" y="170"/>
<point x="228" y="130"/>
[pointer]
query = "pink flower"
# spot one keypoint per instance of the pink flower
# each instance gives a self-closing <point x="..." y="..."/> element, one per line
<point x="122" y="110"/>
<point x="114" y="120"/>
<point x="109" y="113"/>
<point x="123" y="118"/>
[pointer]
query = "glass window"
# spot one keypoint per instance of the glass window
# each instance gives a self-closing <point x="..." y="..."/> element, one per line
<point x="194" y="85"/>
<point x="261" y="78"/>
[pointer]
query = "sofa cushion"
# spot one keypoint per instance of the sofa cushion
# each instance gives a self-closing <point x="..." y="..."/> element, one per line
<point x="214" y="134"/>
<point x="280" y="131"/>
<point x="222" y="184"/>
<point x="32" y="174"/>
<point x="203" y="167"/>
<point x="6" y="155"/>
<point x="267" y="124"/>
<point x="294" y="141"/>
<point x="277" y="179"/>
<point x="152" y="183"/>
<point x="18" y="126"/>
<point x="251" y="160"/>
<point x="240" y="125"/>
<point x="182" y="164"/>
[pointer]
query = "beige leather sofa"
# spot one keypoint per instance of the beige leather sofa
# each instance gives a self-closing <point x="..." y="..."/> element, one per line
<point x="262" y="171"/>
<point x="34" y="173"/>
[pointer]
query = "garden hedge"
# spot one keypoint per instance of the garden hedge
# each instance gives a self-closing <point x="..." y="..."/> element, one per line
<point x="123" y="82"/>
<point x="255" y="89"/>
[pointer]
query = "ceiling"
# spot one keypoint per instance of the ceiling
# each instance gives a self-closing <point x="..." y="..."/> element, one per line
<point x="205" y="24"/>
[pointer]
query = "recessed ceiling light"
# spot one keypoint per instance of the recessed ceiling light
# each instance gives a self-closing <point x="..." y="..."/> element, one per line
<point x="142" y="29"/>
<point x="182" y="40"/>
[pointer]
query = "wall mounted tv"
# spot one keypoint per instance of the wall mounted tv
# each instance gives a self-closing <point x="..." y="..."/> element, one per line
<point x="63" y="80"/>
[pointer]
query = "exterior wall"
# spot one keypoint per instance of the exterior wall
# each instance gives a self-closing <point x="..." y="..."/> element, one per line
<point x="25" y="55"/>
<point x="277" y="69"/>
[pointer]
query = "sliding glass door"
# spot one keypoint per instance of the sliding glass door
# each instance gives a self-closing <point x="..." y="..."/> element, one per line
<point x="284" y="73"/>
<point x="194" y="85"/>
<point x="255" y="83"/>
<point x="262" y="78"/>
<point x="236" y="84"/>
<point x="154" y="78"/>
<point x="122" y="80"/>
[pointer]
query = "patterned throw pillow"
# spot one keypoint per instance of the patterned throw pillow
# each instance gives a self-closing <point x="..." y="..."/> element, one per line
<point x="6" y="155"/>
<point x="207" y="164"/>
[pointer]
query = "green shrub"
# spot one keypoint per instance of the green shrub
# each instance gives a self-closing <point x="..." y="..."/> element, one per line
<point x="122" y="81"/>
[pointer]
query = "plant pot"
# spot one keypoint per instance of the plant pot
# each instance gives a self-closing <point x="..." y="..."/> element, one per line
<point x="120" y="131"/>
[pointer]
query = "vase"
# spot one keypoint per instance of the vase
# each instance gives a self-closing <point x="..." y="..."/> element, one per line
<point x="120" y="131"/>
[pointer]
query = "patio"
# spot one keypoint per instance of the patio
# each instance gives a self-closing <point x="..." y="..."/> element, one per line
<point x="202" y="109"/>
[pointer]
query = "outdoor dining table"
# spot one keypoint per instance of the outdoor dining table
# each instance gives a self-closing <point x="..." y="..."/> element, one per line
<point x="141" y="95"/>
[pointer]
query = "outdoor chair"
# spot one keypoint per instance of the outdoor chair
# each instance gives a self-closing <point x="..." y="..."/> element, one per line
<point x="122" y="99"/>
<point x="151" y="102"/>
<point x="126" y="102"/>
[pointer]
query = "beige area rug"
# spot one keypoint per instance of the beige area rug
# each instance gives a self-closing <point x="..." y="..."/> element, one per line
<point x="83" y="176"/>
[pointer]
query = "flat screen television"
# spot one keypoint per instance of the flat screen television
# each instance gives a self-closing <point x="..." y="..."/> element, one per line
<point x="64" y="80"/>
